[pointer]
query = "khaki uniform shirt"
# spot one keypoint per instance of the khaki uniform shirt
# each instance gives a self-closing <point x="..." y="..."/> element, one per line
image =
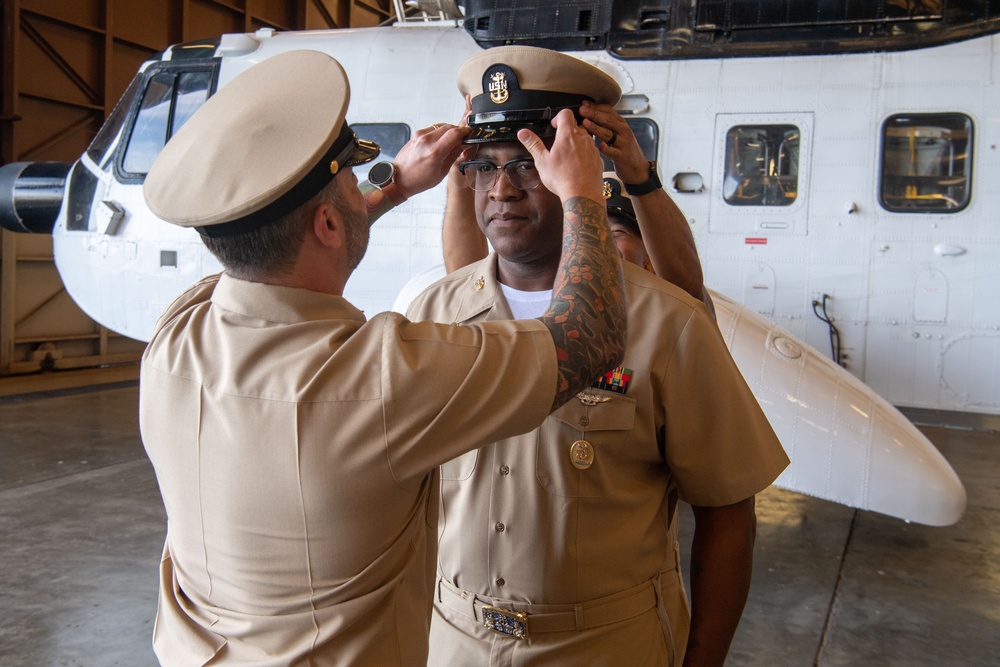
<point x="527" y="520"/>
<point x="295" y="445"/>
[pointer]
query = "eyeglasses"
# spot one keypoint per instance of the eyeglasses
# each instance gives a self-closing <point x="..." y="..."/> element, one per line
<point x="482" y="175"/>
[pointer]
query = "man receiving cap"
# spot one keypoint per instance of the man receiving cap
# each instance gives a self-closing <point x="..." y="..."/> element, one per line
<point x="558" y="546"/>
<point x="636" y="193"/>
<point x="294" y="441"/>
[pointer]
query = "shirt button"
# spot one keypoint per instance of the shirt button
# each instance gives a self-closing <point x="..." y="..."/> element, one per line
<point x="584" y="421"/>
<point x="504" y="470"/>
<point x="501" y="581"/>
<point x="500" y="527"/>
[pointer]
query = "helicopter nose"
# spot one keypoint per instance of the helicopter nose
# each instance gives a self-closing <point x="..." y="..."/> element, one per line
<point x="31" y="194"/>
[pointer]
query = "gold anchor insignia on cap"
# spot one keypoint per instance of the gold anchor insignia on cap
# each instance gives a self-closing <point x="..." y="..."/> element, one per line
<point x="607" y="189"/>
<point x="498" y="88"/>
<point x="592" y="399"/>
<point x="581" y="454"/>
<point x="480" y="283"/>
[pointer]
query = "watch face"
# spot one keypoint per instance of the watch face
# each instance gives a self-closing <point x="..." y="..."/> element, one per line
<point x="380" y="174"/>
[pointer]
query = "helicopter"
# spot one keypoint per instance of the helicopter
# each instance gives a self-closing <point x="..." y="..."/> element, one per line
<point x="832" y="197"/>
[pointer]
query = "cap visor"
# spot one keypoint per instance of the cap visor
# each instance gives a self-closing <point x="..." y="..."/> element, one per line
<point x="364" y="151"/>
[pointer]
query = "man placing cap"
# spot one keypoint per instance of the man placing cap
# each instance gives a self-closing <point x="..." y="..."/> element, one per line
<point x="672" y="250"/>
<point x="294" y="441"/>
<point x="558" y="547"/>
<point x="623" y="224"/>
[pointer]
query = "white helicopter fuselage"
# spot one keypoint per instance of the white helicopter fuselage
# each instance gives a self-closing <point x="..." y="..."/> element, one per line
<point x="910" y="293"/>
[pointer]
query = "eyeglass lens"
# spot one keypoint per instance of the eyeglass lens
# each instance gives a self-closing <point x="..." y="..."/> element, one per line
<point x="482" y="175"/>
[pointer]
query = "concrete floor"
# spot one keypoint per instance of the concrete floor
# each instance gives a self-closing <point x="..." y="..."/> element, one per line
<point x="81" y="530"/>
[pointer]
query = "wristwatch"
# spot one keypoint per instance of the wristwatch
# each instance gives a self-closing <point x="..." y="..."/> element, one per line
<point x="383" y="176"/>
<point x="652" y="183"/>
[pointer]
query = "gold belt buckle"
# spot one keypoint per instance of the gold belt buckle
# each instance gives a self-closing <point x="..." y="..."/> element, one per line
<point x="506" y="622"/>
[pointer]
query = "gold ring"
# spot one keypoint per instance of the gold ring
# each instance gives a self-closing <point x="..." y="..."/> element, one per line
<point x="435" y="126"/>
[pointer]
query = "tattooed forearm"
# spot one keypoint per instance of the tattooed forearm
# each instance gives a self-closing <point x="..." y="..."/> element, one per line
<point x="588" y="316"/>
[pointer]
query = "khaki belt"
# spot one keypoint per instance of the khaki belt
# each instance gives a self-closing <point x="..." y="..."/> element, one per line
<point x="517" y="619"/>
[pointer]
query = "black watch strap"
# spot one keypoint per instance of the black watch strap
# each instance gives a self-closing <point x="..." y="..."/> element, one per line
<point x="652" y="183"/>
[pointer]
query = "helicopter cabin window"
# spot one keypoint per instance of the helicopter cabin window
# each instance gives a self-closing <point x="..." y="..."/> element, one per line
<point x="926" y="163"/>
<point x="389" y="136"/>
<point x="647" y="135"/>
<point x="761" y="165"/>
<point x="170" y="98"/>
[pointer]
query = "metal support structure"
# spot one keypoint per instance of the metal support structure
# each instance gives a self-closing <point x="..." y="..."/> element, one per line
<point x="8" y="278"/>
<point x="8" y="240"/>
<point x="77" y="59"/>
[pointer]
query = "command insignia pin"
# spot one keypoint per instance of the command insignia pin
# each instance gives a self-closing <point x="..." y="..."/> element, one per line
<point x="498" y="88"/>
<point x="581" y="454"/>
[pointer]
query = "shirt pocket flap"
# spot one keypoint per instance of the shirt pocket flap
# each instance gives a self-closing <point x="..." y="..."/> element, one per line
<point x="616" y="414"/>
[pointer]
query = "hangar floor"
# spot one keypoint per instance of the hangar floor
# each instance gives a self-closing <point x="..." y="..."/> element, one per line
<point x="82" y="525"/>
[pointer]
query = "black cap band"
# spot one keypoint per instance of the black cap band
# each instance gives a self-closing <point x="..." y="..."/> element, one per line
<point x="619" y="204"/>
<point x="505" y="107"/>
<point x="330" y="163"/>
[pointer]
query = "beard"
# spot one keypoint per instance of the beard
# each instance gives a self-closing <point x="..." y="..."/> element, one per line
<point x="358" y="234"/>
<point x="356" y="228"/>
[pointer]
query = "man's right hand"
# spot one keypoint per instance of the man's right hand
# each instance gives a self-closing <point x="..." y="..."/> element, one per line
<point x="588" y="316"/>
<point x="426" y="158"/>
<point x="573" y="166"/>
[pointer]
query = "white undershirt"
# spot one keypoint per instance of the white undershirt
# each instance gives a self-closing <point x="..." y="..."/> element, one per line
<point x="526" y="305"/>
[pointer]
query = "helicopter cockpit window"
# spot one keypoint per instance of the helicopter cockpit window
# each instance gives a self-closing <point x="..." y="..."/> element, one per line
<point x="192" y="92"/>
<point x="926" y="163"/>
<point x="107" y="136"/>
<point x="762" y="165"/>
<point x="170" y="98"/>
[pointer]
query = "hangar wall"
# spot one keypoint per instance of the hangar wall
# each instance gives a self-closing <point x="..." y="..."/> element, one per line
<point x="64" y="66"/>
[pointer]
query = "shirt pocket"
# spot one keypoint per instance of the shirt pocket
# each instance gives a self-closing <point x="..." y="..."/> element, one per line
<point x="583" y="451"/>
